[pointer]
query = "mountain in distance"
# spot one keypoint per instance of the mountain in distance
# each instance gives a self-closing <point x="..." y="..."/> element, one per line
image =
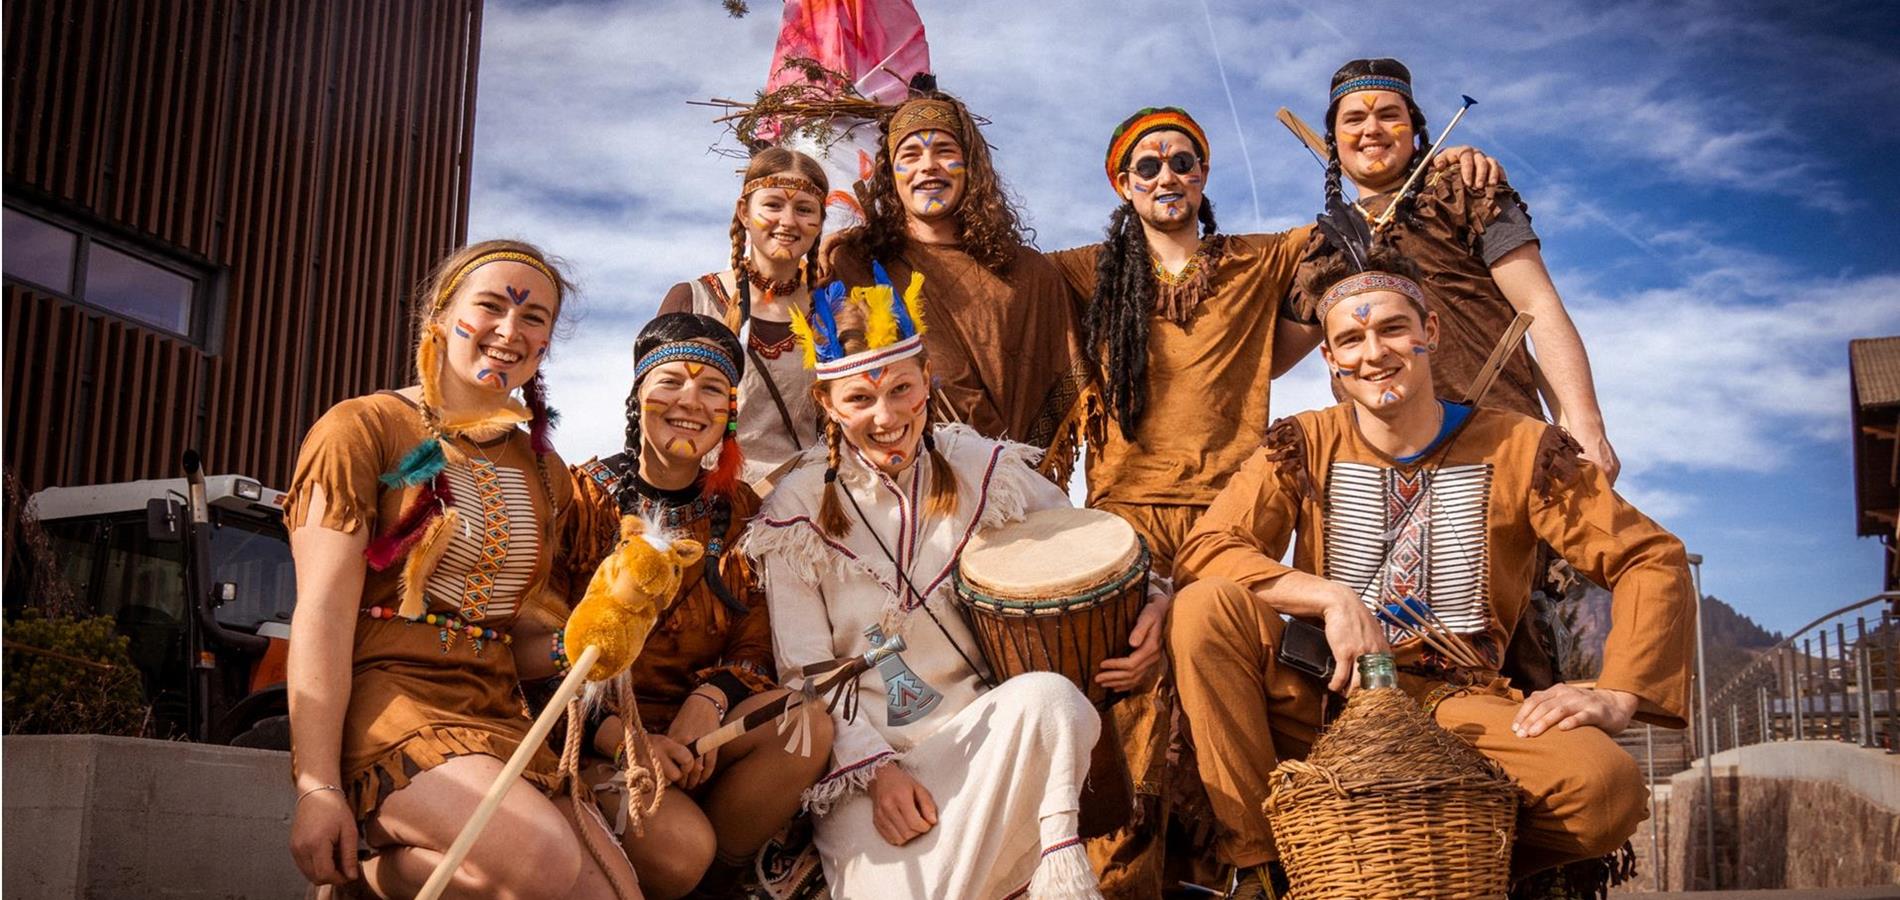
<point x="1732" y="638"/>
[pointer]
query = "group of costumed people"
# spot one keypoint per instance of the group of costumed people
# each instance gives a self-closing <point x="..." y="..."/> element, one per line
<point x="922" y="379"/>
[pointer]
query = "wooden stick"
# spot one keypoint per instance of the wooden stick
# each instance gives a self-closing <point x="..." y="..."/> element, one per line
<point x="1305" y="133"/>
<point x="537" y="735"/>
<point x="1488" y="375"/>
<point x="853" y="667"/>
<point x="1385" y="218"/>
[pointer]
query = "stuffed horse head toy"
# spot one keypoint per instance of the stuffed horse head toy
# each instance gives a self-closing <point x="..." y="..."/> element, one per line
<point x="626" y="594"/>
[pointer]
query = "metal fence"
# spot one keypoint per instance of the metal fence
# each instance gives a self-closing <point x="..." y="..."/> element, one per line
<point x="1834" y="679"/>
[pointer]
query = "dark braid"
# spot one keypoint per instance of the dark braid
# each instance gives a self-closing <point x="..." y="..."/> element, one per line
<point x="1206" y="216"/>
<point x="1334" y="173"/>
<point x="1118" y="314"/>
<point x="623" y="490"/>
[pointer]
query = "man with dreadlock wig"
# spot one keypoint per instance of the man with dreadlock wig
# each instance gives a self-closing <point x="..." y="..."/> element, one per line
<point x="1399" y="500"/>
<point x="1004" y="344"/>
<point x="423" y="521"/>
<point x="775" y="228"/>
<point x="941" y="785"/>
<point x="708" y="660"/>
<point x="1179" y="326"/>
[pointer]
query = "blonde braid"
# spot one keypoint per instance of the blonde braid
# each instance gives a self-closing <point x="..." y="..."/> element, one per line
<point x="943" y="479"/>
<point x="734" y="315"/>
<point x="831" y="518"/>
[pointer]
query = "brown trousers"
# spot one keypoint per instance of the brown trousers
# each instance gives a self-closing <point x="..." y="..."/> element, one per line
<point x="1580" y="796"/>
<point x="1129" y="861"/>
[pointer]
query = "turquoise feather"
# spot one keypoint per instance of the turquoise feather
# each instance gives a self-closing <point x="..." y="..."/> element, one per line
<point x="418" y="466"/>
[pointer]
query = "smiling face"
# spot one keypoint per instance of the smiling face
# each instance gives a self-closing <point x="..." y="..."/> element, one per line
<point x="1168" y="199"/>
<point x="499" y="324"/>
<point x="1378" y="349"/>
<point x="882" y="413"/>
<point x="1375" y="137"/>
<point x="683" y="410"/>
<point x="782" y="223"/>
<point x="929" y="169"/>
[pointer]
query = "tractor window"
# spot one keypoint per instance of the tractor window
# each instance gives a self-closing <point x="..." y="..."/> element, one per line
<point x="74" y="545"/>
<point x="257" y="560"/>
<point x="143" y="580"/>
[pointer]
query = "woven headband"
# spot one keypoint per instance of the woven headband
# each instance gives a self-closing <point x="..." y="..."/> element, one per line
<point x="870" y="360"/>
<point x="1145" y="122"/>
<point x="448" y="290"/>
<point x="789" y="182"/>
<point x="687" y="351"/>
<point x="1372" y="83"/>
<point x="1365" y="283"/>
<point x="924" y="115"/>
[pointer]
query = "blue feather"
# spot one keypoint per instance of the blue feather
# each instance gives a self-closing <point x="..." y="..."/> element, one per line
<point x="1419" y="609"/>
<point x="419" y="466"/>
<point x="824" y="311"/>
<point x="882" y="277"/>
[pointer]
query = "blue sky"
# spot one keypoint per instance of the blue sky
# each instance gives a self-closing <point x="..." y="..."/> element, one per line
<point x="1715" y="184"/>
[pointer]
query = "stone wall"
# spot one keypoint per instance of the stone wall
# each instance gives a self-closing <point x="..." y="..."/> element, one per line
<point x="106" y="818"/>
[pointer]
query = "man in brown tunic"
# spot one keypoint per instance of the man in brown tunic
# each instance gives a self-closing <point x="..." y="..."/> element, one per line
<point x="1475" y="245"/>
<point x="1002" y="339"/>
<point x="1393" y="495"/>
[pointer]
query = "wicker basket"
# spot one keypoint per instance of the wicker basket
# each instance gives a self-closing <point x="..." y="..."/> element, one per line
<point x="1390" y="805"/>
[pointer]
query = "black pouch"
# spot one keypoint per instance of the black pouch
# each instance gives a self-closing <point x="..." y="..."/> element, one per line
<point x="1303" y="648"/>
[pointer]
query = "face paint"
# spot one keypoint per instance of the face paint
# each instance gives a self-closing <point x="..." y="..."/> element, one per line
<point x="876" y="375"/>
<point x="1401" y="129"/>
<point x="927" y="137"/>
<point x="1172" y="209"/>
<point x="1420" y="349"/>
<point x="519" y="297"/>
<point x="1388" y="398"/>
<point x="897" y="460"/>
<point x="1194" y="179"/>
<point x="1143" y="189"/>
<point x="761" y="222"/>
<point x="932" y="205"/>
<point x="955" y="165"/>
<point x="463" y="329"/>
<point x="901" y="171"/>
<point x="682" y="445"/>
<point x="498" y="379"/>
<point x="693" y="369"/>
<point x="1362" y="312"/>
<point x="543" y="352"/>
<point x="1369" y="99"/>
<point x="1343" y="373"/>
<point x="655" y="406"/>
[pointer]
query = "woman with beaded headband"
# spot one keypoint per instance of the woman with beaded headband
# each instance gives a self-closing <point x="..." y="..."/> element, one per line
<point x="775" y="228"/>
<point x="708" y="661"/>
<point x="422" y="522"/>
<point x="939" y="786"/>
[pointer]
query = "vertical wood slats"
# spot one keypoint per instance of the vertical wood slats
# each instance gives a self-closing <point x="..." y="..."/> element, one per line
<point x="315" y="153"/>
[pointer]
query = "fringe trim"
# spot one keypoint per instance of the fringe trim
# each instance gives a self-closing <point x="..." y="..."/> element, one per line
<point x="1064" y="873"/>
<point x="432" y="746"/>
<point x="844" y="782"/>
<point x="799" y="542"/>
<point x="1285" y="444"/>
<point x="1559" y="462"/>
<point x="338" y="513"/>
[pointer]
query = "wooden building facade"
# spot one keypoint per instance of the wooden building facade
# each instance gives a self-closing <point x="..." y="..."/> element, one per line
<point x="216" y="213"/>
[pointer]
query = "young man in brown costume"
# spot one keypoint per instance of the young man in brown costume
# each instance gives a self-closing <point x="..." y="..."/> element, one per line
<point x="1395" y="494"/>
<point x="1179" y="324"/>
<point x="1002" y="340"/>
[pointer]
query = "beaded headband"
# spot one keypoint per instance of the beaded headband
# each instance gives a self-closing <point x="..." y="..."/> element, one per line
<point x="893" y="326"/>
<point x="789" y="182"/>
<point x="448" y="290"/>
<point x="1365" y="283"/>
<point x="687" y="351"/>
<point x="924" y="115"/>
<point x="1372" y="83"/>
<point x="1145" y="121"/>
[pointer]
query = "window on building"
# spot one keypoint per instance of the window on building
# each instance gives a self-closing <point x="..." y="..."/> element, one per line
<point x="106" y="273"/>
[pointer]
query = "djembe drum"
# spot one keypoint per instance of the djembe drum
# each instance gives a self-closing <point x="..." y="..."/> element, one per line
<point x="1059" y="592"/>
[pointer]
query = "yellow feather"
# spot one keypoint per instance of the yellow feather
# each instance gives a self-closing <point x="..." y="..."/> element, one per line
<point x="423" y="558"/>
<point x="429" y="365"/>
<point x="880" y="323"/>
<point x="806" y="340"/>
<point x="914" y="300"/>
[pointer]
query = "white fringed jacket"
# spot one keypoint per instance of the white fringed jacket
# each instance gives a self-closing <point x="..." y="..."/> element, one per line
<point x="824" y="592"/>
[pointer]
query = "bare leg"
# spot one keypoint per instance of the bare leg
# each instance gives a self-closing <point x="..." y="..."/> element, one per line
<point x="527" y="852"/>
<point x="757" y="786"/>
<point x="675" y="850"/>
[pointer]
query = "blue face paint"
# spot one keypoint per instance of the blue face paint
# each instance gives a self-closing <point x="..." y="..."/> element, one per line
<point x="519" y="297"/>
<point x="1388" y="398"/>
<point x="1420" y="349"/>
<point x="1362" y="312"/>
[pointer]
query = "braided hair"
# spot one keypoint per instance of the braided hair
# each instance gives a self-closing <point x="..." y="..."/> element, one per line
<point x="1359" y="68"/>
<point x="772" y="161"/>
<point x="1118" y="315"/>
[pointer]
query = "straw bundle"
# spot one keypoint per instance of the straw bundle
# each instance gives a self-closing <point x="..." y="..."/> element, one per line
<point x="1390" y="805"/>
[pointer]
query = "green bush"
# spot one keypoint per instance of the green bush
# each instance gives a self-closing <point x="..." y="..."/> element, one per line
<point x="70" y="676"/>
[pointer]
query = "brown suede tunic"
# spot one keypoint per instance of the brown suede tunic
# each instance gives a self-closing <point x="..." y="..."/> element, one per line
<point x="420" y="695"/>
<point x="696" y="635"/>
<point x="1445" y="235"/>
<point x="1483" y="500"/>
<point x="1004" y="348"/>
<point x="1209" y="380"/>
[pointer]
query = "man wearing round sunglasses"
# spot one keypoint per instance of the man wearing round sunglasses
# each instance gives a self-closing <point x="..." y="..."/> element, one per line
<point x="1179" y="330"/>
